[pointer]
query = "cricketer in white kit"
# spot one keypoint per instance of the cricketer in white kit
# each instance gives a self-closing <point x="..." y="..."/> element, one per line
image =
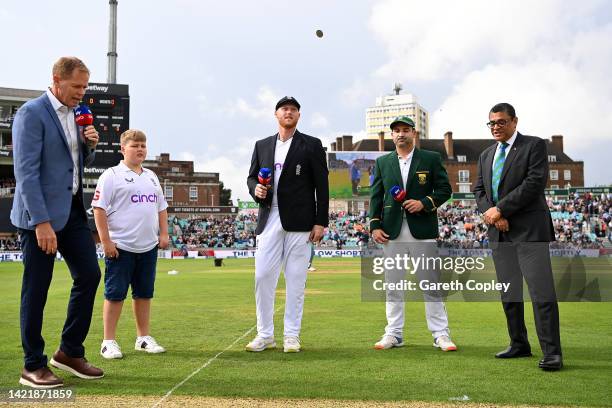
<point x="293" y="212"/>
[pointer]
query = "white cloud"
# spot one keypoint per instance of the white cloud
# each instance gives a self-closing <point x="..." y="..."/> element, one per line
<point x="186" y="156"/>
<point x="261" y="109"/>
<point x="330" y="137"/>
<point x="446" y="39"/>
<point x="233" y="169"/>
<point x="359" y="91"/>
<point x="550" y="59"/>
<point x="549" y="99"/>
<point x="318" y="120"/>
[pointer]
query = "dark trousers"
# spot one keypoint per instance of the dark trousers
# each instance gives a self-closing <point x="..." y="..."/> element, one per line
<point x="529" y="260"/>
<point x="76" y="245"/>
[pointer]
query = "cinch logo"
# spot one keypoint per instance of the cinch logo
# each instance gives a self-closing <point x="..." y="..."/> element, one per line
<point x="144" y="198"/>
<point x="278" y="166"/>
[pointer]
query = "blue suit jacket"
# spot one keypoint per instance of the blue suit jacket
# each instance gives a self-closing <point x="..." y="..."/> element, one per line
<point x="43" y="166"/>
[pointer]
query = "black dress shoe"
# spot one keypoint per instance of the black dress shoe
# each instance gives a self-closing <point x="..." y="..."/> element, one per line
<point x="512" y="352"/>
<point x="551" y="363"/>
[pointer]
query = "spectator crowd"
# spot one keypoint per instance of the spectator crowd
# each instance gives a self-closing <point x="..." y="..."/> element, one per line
<point x="7" y="187"/>
<point x="584" y="220"/>
<point x="225" y="232"/>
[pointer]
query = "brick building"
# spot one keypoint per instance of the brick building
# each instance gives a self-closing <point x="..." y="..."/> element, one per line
<point x="188" y="192"/>
<point x="460" y="158"/>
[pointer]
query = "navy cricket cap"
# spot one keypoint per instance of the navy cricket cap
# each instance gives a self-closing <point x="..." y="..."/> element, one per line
<point x="287" y="100"/>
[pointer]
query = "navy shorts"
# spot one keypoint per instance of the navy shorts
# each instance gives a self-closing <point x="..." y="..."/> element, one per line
<point x="130" y="268"/>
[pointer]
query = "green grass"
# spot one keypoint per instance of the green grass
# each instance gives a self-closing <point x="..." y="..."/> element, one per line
<point x="203" y="309"/>
<point x="340" y="184"/>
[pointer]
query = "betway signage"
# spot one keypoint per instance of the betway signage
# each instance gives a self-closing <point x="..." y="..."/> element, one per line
<point x="111" y="89"/>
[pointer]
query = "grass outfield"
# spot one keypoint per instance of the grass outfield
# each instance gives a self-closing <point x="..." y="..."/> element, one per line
<point x="202" y="310"/>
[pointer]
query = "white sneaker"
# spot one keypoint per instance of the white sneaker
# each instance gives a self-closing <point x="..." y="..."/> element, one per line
<point x="444" y="343"/>
<point x="388" y="342"/>
<point x="110" y="349"/>
<point x="312" y="269"/>
<point x="261" y="344"/>
<point x="291" y="344"/>
<point x="148" y="344"/>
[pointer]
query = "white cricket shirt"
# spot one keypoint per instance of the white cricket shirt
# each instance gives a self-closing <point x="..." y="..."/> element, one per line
<point x="280" y="154"/>
<point x="132" y="203"/>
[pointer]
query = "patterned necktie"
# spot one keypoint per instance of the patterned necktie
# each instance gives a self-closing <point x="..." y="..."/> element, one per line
<point x="498" y="166"/>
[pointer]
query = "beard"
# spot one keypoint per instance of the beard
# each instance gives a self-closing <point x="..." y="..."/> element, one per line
<point x="288" y="123"/>
<point x="406" y="143"/>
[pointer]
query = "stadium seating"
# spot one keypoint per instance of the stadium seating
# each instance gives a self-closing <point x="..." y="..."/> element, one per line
<point x="583" y="221"/>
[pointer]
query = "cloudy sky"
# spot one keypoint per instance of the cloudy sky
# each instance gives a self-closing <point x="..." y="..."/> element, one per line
<point x="204" y="75"/>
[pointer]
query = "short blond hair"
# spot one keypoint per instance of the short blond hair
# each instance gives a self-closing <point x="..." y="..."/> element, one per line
<point x="65" y="66"/>
<point x="132" y="135"/>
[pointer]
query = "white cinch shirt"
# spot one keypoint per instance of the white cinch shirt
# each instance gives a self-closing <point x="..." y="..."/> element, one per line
<point x="132" y="203"/>
<point x="280" y="154"/>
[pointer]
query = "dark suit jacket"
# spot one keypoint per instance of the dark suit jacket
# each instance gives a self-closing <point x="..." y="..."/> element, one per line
<point x="521" y="190"/>
<point x="303" y="189"/>
<point x="427" y="182"/>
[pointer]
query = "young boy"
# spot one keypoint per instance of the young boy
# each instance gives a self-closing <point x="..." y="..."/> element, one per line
<point x="132" y="222"/>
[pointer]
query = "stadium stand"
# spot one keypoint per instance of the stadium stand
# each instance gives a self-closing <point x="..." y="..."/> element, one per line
<point x="228" y="232"/>
<point x="582" y="221"/>
<point x="10" y="244"/>
<point x="7" y="187"/>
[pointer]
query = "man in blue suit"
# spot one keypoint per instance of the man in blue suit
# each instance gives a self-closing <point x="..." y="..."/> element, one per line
<point x="50" y="152"/>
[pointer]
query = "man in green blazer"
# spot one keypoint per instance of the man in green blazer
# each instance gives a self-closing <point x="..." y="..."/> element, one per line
<point x="422" y="176"/>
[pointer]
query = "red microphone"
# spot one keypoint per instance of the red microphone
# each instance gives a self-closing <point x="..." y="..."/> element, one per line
<point x="398" y="193"/>
<point x="83" y="118"/>
<point x="265" y="177"/>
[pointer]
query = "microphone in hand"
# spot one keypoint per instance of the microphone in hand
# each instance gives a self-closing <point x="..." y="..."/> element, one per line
<point x="265" y="177"/>
<point x="83" y="118"/>
<point x="398" y="193"/>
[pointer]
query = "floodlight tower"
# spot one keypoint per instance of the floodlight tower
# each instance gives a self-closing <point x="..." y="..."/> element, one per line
<point x="111" y="77"/>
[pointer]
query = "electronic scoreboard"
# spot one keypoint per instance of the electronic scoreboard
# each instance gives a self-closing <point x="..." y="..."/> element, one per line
<point x="110" y="105"/>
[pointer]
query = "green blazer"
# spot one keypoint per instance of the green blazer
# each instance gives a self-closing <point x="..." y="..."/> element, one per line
<point x="427" y="182"/>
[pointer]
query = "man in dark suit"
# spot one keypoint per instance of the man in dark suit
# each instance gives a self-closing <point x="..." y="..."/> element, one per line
<point x="512" y="176"/>
<point x="293" y="212"/>
<point x="409" y="226"/>
<point x="50" y="152"/>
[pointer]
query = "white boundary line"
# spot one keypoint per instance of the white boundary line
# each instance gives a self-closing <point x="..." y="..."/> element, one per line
<point x="206" y="364"/>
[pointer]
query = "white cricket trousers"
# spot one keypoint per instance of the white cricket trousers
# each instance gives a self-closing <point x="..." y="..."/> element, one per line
<point x="435" y="312"/>
<point x="276" y="249"/>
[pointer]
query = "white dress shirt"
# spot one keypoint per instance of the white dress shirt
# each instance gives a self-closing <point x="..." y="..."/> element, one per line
<point x="66" y="118"/>
<point x="405" y="167"/>
<point x="498" y="149"/>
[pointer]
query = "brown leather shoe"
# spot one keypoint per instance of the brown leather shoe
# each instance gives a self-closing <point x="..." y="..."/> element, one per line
<point x="41" y="378"/>
<point x="77" y="366"/>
